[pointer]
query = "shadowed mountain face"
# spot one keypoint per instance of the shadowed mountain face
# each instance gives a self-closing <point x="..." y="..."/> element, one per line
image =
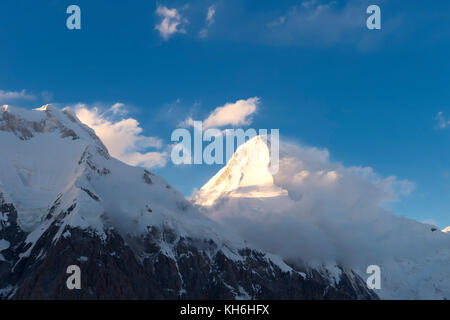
<point x="114" y="270"/>
<point x="64" y="201"/>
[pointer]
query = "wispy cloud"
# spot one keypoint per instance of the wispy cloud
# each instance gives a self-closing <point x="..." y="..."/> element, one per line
<point x="319" y="22"/>
<point x="123" y="135"/>
<point x="442" y="121"/>
<point x="8" y="96"/>
<point x="308" y="4"/>
<point x="171" y="22"/>
<point x="210" y="15"/>
<point x="234" y="114"/>
<point x="209" y="20"/>
<point x="310" y="23"/>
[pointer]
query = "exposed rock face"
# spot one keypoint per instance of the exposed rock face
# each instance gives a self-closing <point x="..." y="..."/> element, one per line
<point x="64" y="201"/>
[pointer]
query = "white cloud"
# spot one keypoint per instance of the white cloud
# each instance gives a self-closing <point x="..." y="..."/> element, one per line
<point x="171" y="22"/>
<point x="6" y="96"/>
<point x="123" y="137"/>
<point x="234" y="114"/>
<point x="442" y="122"/>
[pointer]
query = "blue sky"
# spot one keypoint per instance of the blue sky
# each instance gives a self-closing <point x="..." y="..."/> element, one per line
<point x="377" y="98"/>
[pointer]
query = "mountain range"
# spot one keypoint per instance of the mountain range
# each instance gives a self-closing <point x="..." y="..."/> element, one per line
<point x="65" y="201"/>
<point x="309" y="231"/>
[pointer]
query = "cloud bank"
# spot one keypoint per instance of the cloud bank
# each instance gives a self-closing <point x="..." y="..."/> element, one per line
<point x="122" y="136"/>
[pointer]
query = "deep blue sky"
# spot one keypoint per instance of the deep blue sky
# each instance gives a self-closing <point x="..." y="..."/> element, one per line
<point x="370" y="97"/>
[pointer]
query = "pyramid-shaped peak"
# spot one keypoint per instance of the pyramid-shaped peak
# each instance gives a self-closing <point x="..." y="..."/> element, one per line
<point x="246" y="174"/>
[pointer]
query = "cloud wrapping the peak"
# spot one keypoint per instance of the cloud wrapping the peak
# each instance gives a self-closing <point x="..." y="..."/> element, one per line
<point x="123" y="136"/>
<point x="171" y="23"/>
<point x="337" y="214"/>
<point x="331" y="212"/>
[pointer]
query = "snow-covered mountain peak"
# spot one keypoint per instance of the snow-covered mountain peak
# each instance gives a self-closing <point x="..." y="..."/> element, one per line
<point x="245" y="175"/>
<point x="446" y="230"/>
<point x="27" y="124"/>
<point x="54" y="163"/>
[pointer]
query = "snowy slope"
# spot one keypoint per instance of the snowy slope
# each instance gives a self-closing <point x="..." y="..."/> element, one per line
<point x="325" y="213"/>
<point x="59" y="161"/>
<point x="447" y="230"/>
